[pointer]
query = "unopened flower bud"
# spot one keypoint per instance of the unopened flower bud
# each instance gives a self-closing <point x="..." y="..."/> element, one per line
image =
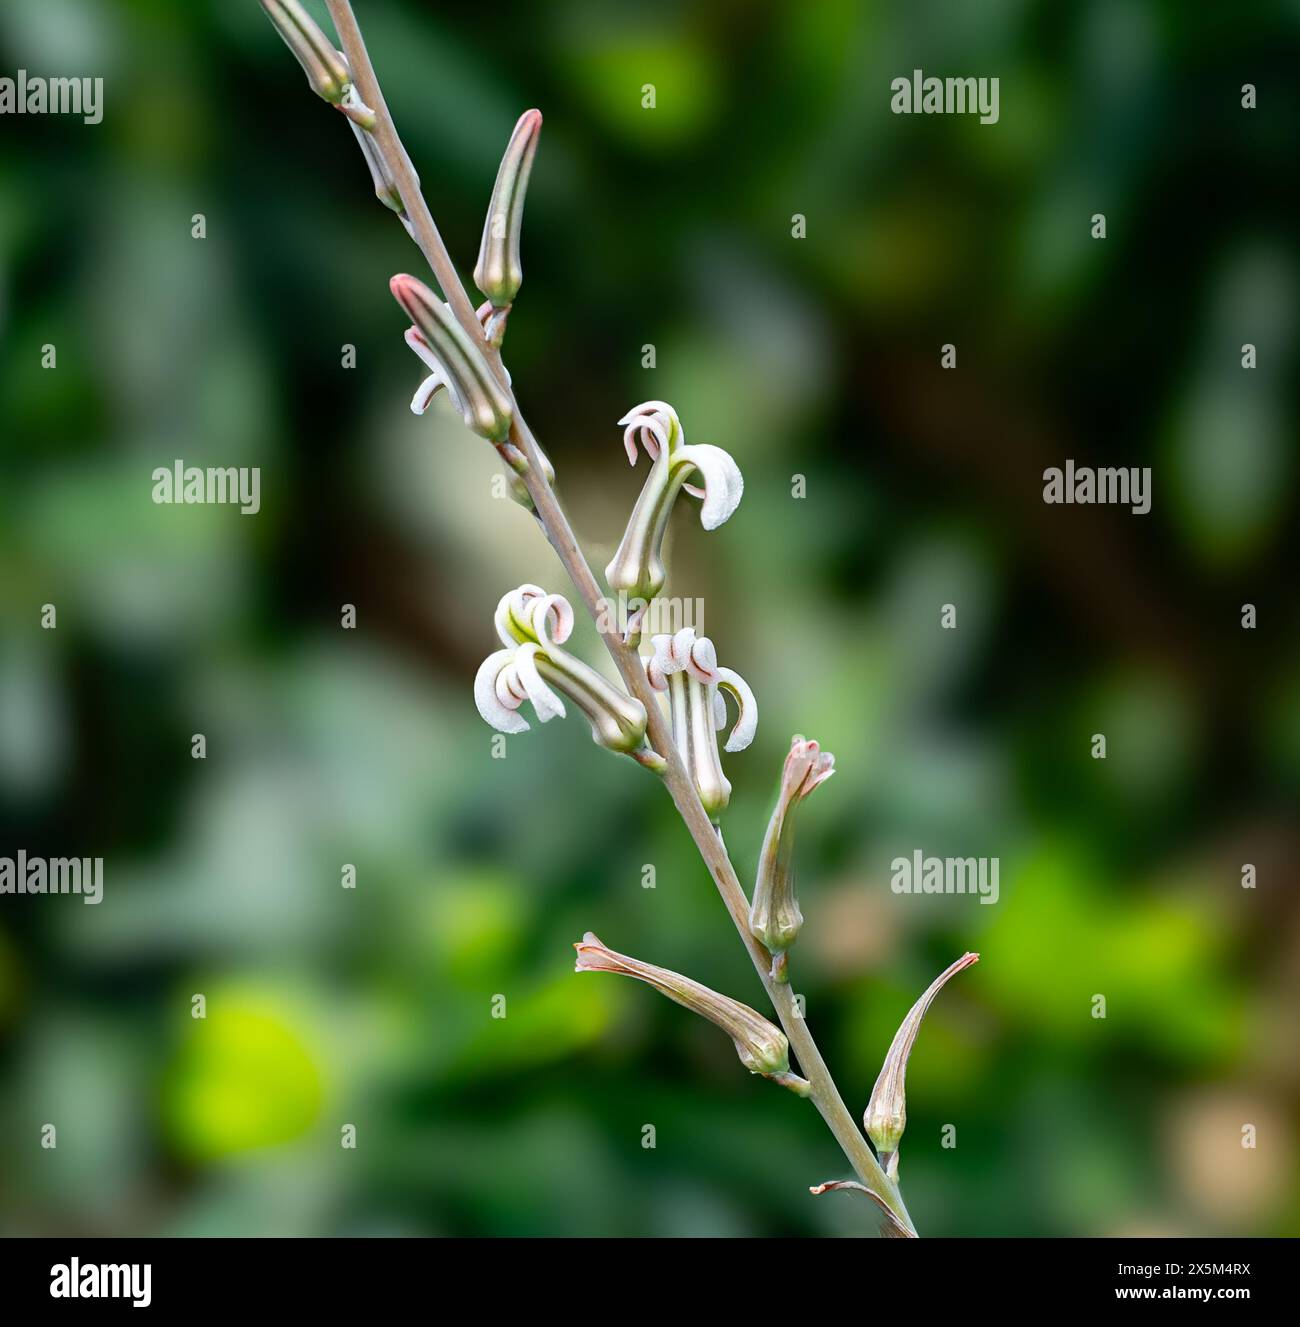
<point x="775" y="917"/>
<point x="761" y="1045"/>
<point x="516" y="467"/>
<point x="499" y="272"/>
<point x="686" y="668"/>
<point x="532" y="626"/>
<point x="455" y="361"/>
<point x="637" y="568"/>
<point x="381" y="177"/>
<point x="886" y="1114"/>
<point x="326" y="69"/>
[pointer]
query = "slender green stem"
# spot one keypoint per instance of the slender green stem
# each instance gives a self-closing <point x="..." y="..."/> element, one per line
<point x="824" y="1094"/>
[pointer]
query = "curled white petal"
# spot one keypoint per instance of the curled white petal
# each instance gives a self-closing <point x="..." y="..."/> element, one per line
<point x="652" y="435"/>
<point x="509" y="689"/>
<point x="422" y="348"/>
<point x="437" y="379"/>
<point x="666" y="657"/>
<point x="425" y="393"/>
<point x="719" y="711"/>
<point x="686" y="652"/>
<point x="723" y="483"/>
<point x="655" y="674"/>
<point x="552" y="618"/>
<point x="747" y="719"/>
<point x="546" y="703"/>
<point x="502" y="718"/>
<point x="657" y="426"/>
<point x="701" y="659"/>
<point x="513" y="606"/>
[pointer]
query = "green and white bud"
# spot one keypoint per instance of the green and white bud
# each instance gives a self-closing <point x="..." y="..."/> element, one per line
<point x="457" y="363"/>
<point x="381" y="177"/>
<point x="685" y="667"/>
<point x="499" y="272"/>
<point x="774" y="917"/>
<point x="886" y="1113"/>
<point x="761" y="1045"/>
<point x="326" y="68"/>
<point x="637" y="568"/>
<point x="532" y="667"/>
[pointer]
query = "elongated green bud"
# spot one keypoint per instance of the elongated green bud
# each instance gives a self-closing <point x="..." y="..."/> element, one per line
<point x="326" y="69"/>
<point x="886" y="1114"/>
<point x="459" y="365"/>
<point x="775" y="917"/>
<point x="499" y="272"/>
<point x="761" y="1045"/>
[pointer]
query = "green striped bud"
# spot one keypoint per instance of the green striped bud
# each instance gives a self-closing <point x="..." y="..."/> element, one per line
<point x="457" y="363"/>
<point x="499" y="272"/>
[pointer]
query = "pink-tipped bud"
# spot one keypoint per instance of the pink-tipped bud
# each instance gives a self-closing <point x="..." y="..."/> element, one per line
<point x="775" y="917"/>
<point x="499" y="272"/>
<point x="761" y="1045"/>
<point x="460" y="365"/>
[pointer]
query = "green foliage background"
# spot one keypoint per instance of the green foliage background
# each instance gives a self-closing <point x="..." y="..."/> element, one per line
<point x="814" y="357"/>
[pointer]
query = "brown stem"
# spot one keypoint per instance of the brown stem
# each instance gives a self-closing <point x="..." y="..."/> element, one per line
<point x="824" y="1094"/>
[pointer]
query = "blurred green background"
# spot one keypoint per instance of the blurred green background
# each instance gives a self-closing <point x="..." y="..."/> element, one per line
<point x="816" y="357"/>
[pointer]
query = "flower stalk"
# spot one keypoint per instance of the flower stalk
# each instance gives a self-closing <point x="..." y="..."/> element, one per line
<point x="534" y="474"/>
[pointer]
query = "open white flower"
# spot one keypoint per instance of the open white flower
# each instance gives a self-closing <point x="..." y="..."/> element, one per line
<point x="532" y="667"/>
<point x="637" y="569"/>
<point x="685" y="666"/>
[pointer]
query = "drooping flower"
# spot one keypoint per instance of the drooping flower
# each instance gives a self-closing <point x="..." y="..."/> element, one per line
<point x="761" y="1045"/>
<point x="499" y="271"/>
<point x="685" y="666"/>
<point x="533" y="667"/>
<point x="454" y="361"/>
<point x="886" y="1113"/>
<point x="774" y="917"/>
<point x="637" y="569"/>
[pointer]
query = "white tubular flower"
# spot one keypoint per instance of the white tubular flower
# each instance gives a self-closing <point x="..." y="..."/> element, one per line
<point x="532" y="667"/>
<point x="685" y="666"/>
<point x="637" y="569"/>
